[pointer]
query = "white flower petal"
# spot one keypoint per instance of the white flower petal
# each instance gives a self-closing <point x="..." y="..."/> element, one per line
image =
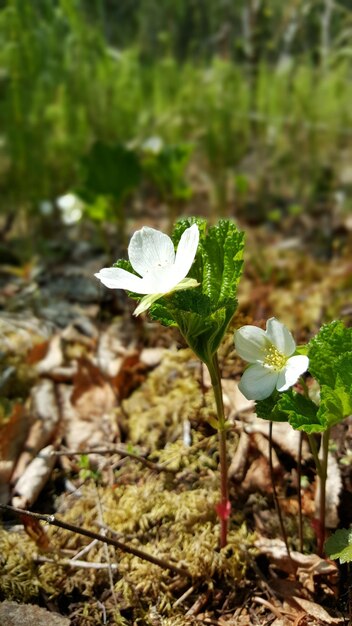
<point x="117" y="278"/>
<point x="295" y="366"/>
<point x="251" y="343"/>
<point x="258" y="382"/>
<point x="148" y="249"/>
<point x="280" y="336"/>
<point x="186" y="251"/>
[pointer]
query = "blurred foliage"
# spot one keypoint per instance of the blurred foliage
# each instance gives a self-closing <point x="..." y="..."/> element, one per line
<point x="260" y="90"/>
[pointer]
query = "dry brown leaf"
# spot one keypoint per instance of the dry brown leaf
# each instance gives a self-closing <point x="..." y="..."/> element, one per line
<point x="86" y="377"/>
<point x="88" y="408"/>
<point x="37" y="352"/>
<point x="237" y="467"/>
<point x="130" y="376"/>
<point x="284" y="436"/>
<point x="151" y="357"/>
<point x="234" y="400"/>
<point x="114" y="343"/>
<point x="45" y="419"/>
<point x="257" y="477"/>
<point x="36" y="531"/>
<point x="35" y="476"/>
<point x="316" y="611"/>
<point x="305" y="566"/>
<point x="53" y="357"/>
<point x="12" y="437"/>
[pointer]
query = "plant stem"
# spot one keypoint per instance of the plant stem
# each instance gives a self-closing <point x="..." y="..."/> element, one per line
<point x="299" y="495"/>
<point x="276" y="499"/>
<point x="214" y="372"/>
<point x="323" y="477"/>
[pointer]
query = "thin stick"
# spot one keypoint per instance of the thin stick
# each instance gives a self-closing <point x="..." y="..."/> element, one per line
<point x="299" y="495"/>
<point x="53" y="521"/>
<point x="76" y="563"/>
<point x="276" y="499"/>
<point x="115" y="450"/>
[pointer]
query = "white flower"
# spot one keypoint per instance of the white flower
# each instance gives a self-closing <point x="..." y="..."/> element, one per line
<point x="152" y="256"/>
<point x="270" y="352"/>
<point x="154" y="145"/>
<point x="71" y="208"/>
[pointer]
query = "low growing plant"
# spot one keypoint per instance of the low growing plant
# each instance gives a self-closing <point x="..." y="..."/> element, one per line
<point x="194" y="289"/>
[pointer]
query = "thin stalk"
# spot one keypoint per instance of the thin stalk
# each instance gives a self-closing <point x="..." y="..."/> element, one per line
<point x="299" y="495"/>
<point x="276" y="499"/>
<point x="299" y="471"/>
<point x="323" y="478"/>
<point x="53" y="521"/>
<point x="214" y="372"/>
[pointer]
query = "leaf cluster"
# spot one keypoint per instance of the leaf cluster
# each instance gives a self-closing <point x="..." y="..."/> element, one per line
<point x="203" y="313"/>
<point x="339" y="545"/>
<point x="330" y="362"/>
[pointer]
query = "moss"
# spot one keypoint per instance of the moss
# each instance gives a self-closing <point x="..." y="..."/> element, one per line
<point x="154" y="414"/>
<point x="18" y="579"/>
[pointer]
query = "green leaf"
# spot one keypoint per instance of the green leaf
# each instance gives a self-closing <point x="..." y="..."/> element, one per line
<point x="344" y="372"/>
<point x="325" y="351"/>
<point x="335" y="406"/>
<point x="203" y="313"/>
<point x="222" y="252"/>
<point x="339" y="545"/>
<point x="268" y="409"/>
<point x="301" y="412"/>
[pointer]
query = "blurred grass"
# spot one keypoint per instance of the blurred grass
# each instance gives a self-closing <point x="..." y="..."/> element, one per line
<point x="265" y="135"/>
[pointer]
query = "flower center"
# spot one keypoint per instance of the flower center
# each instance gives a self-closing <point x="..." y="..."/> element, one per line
<point x="275" y="359"/>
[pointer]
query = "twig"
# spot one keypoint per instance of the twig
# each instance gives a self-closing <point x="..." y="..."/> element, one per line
<point x="184" y="596"/>
<point x="269" y="606"/>
<point x="53" y="521"/>
<point x="85" y="550"/>
<point x="76" y="563"/>
<point x="276" y="499"/>
<point x="116" y="450"/>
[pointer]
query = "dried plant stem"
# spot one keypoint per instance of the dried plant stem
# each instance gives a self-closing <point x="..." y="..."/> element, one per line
<point x="299" y="495"/>
<point x="276" y="499"/>
<point x="115" y="450"/>
<point x="224" y="492"/>
<point x="53" y="521"/>
<point x="77" y="563"/>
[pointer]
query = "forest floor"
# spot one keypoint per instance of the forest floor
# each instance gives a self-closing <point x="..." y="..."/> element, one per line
<point x="104" y="422"/>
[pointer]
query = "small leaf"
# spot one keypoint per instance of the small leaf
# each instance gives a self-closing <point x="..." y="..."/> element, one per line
<point x="302" y="413"/>
<point x="325" y="352"/>
<point x="268" y="409"/>
<point x="335" y="405"/>
<point x="339" y="545"/>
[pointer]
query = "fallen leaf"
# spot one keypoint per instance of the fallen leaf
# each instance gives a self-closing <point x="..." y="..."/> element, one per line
<point x="13" y="433"/>
<point x="45" y="419"/>
<point x="35" y="476"/>
<point x="316" y="611"/>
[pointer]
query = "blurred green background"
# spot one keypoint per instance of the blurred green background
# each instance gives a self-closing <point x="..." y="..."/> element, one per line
<point x="115" y="108"/>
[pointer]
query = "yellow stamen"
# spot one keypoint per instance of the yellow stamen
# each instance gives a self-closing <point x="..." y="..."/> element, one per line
<point x="275" y="359"/>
